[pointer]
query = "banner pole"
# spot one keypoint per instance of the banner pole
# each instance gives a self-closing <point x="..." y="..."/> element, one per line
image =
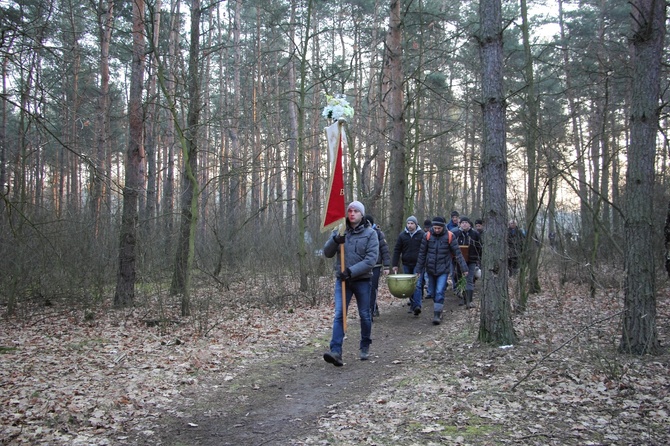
<point x="344" y="291"/>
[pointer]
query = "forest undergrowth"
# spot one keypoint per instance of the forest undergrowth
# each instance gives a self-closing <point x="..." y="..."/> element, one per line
<point x="102" y="376"/>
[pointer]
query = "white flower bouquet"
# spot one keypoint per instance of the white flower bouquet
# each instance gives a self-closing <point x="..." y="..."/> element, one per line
<point x="337" y="107"/>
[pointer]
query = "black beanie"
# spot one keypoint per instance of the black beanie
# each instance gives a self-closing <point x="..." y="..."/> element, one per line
<point x="439" y="221"/>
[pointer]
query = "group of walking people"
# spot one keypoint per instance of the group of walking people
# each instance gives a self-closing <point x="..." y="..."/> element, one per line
<point x="440" y="258"/>
<point x="443" y="255"/>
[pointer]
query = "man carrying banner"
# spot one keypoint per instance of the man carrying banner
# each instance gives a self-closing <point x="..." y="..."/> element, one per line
<point x="361" y="249"/>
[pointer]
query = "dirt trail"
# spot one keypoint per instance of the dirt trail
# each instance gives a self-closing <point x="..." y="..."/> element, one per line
<point x="278" y="401"/>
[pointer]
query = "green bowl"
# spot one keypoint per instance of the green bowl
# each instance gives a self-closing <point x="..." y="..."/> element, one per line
<point x="401" y="285"/>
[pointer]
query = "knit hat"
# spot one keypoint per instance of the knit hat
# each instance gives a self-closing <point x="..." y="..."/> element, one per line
<point x="358" y="206"/>
<point x="413" y="220"/>
<point x="439" y="221"/>
<point x="466" y="219"/>
<point x="479" y="221"/>
<point x="454" y="213"/>
<point x="427" y="222"/>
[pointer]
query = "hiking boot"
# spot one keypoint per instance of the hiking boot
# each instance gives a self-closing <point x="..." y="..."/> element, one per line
<point x="417" y="311"/>
<point x="468" y="299"/>
<point x="333" y="358"/>
<point x="376" y="312"/>
<point x="365" y="355"/>
<point x="436" y="317"/>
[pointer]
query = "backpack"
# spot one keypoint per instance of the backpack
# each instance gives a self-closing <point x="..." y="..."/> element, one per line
<point x="451" y="235"/>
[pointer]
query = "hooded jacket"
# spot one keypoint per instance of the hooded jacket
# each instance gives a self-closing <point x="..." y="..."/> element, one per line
<point x="435" y="254"/>
<point x="361" y="249"/>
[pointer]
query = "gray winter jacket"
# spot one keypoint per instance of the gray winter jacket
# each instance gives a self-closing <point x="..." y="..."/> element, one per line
<point x="361" y="249"/>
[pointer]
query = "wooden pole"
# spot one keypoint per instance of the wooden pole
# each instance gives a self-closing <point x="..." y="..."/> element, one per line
<point x="344" y="290"/>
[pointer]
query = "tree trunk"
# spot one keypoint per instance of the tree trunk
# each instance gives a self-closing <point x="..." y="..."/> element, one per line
<point x="639" y="322"/>
<point x="181" y="280"/>
<point x="105" y="26"/>
<point x="299" y="111"/>
<point x="582" y="188"/>
<point x="496" y="315"/>
<point x="125" y="283"/>
<point x="153" y="123"/>
<point x="393" y="80"/>
<point x="528" y="276"/>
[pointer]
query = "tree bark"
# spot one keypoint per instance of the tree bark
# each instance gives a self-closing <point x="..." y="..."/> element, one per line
<point x="496" y="316"/>
<point x="105" y="26"/>
<point x="125" y="283"/>
<point x="181" y="280"/>
<point x="393" y="80"/>
<point x="528" y="276"/>
<point x="639" y="322"/>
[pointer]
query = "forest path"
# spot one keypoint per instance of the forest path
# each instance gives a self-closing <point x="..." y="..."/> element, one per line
<point x="280" y="399"/>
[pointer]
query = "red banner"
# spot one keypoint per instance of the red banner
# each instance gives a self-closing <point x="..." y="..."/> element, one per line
<point x="335" y="211"/>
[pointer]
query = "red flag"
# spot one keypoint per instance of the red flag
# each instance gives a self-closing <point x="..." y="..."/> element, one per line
<point x="335" y="211"/>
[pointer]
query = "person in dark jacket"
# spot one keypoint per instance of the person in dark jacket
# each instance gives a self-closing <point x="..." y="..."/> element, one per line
<point x="437" y="248"/>
<point x="361" y="250"/>
<point x="383" y="261"/>
<point x="470" y="244"/>
<point x="407" y="248"/>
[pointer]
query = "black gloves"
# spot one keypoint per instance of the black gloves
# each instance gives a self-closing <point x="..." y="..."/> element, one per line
<point x="339" y="239"/>
<point x="344" y="275"/>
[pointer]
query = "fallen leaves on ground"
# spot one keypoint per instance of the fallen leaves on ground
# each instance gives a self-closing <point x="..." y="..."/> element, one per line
<point x="69" y="378"/>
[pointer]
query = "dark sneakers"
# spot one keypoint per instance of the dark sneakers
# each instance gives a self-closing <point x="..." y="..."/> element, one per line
<point x="436" y="318"/>
<point x="365" y="354"/>
<point x="333" y="358"/>
<point x="417" y="311"/>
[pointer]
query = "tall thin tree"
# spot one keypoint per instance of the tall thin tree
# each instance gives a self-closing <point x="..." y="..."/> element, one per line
<point x="181" y="279"/>
<point x="134" y="179"/>
<point x="639" y="321"/>
<point x="496" y="315"/>
<point x="393" y="101"/>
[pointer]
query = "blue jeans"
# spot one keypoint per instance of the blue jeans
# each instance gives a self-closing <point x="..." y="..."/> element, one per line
<point x="418" y="291"/>
<point x="439" y="284"/>
<point x="361" y="289"/>
<point x="374" y="287"/>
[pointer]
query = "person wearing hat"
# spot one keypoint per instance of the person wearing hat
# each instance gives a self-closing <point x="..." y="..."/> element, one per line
<point x="437" y="248"/>
<point x="479" y="226"/>
<point x="471" y="247"/>
<point x="427" y="224"/>
<point x="361" y="250"/>
<point x="452" y="225"/>
<point x="407" y="249"/>
<point x="384" y="260"/>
